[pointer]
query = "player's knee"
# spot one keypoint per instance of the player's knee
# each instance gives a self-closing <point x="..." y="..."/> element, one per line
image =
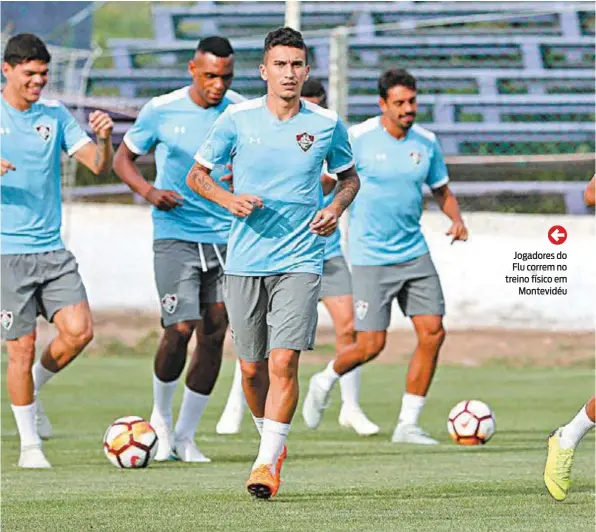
<point x="21" y="353"/>
<point x="345" y="333"/>
<point x="371" y="345"/>
<point x="251" y="372"/>
<point x="179" y="333"/>
<point x="283" y="365"/>
<point x="79" y="333"/>
<point x="432" y="337"/>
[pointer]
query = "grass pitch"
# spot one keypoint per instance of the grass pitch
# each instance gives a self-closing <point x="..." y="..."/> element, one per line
<point x="334" y="480"/>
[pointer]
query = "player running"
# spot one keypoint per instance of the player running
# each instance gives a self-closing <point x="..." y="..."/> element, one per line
<point x="336" y="295"/>
<point x="278" y="144"/>
<point x="389" y="255"/>
<point x="39" y="276"/>
<point x="189" y="245"/>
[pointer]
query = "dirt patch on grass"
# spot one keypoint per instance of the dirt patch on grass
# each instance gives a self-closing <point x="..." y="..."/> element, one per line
<point x="138" y="333"/>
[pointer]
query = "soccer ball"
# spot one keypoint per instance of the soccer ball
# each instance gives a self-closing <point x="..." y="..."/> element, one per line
<point x="130" y="442"/>
<point x="471" y="423"/>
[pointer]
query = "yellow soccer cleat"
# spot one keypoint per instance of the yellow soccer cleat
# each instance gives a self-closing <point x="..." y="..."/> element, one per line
<point x="557" y="472"/>
<point x="262" y="484"/>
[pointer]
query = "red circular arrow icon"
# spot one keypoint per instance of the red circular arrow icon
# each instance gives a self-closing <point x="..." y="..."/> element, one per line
<point x="557" y="234"/>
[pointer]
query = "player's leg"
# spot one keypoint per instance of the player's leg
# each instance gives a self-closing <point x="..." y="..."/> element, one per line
<point x="201" y="376"/>
<point x="340" y="309"/>
<point x="177" y="278"/>
<point x="561" y="447"/>
<point x="373" y="293"/>
<point x="292" y="321"/>
<point x="421" y="298"/>
<point x="17" y="320"/>
<point x="61" y="299"/>
<point x="231" y="417"/>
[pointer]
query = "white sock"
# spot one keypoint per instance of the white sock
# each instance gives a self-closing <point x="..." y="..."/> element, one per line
<point x="236" y="396"/>
<point x="41" y="375"/>
<point x="411" y="406"/>
<point x="328" y="377"/>
<point x="25" y="418"/>
<point x="191" y="411"/>
<point x="258" y="422"/>
<point x="575" y="430"/>
<point x="273" y="439"/>
<point x="350" y="388"/>
<point x="163" y="396"/>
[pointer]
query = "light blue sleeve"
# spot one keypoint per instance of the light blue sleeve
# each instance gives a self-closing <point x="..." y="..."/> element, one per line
<point x="73" y="135"/>
<point x="142" y="136"/>
<point x="340" y="156"/>
<point x="438" y="175"/>
<point x="221" y="140"/>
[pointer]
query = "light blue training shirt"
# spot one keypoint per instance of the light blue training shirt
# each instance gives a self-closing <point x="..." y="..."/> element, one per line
<point x="384" y="219"/>
<point x="32" y="141"/>
<point x="176" y="125"/>
<point x="281" y="162"/>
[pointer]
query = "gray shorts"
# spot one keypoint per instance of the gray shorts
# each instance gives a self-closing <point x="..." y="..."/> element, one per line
<point x="414" y="283"/>
<point x="336" y="280"/>
<point x="188" y="276"/>
<point x="37" y="283"/>
<point x="272" y="312"/>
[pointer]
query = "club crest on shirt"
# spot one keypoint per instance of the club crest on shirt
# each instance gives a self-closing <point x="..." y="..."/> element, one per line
<point x="6" y="319"/>
<point x="169" y="302"/>
<point x="305" y="141"/>
<point x="44" y="131"/>
<point x="416" y="157"/>
<point x="361" y="309"/>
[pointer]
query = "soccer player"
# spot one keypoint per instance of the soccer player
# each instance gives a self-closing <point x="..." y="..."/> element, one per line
<point x="190" y="235"/>
<point x="336" y="295"/>
<point x="389" y="255"/>
<point x="278" y="144"/>
<point x="39" y="276"/>
<point x="562" y="443"/>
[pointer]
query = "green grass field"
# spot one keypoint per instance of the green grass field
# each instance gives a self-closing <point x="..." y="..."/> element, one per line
<point x="334" y="480"/>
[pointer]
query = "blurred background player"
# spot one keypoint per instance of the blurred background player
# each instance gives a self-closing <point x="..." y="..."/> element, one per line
<point x="275" y="253"/>
<point x="336" y="295"/>
<point x="563" y="441"/>
<point x="190" y="236"/>
<point x="39" y="276"/>
<point x="388" y="253"/>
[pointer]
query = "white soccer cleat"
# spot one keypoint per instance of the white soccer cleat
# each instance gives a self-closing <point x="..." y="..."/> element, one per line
<point x="316" y="401"/>
<point x="356" y="419"/>
<point x="411" y="434"/>
<point x="42" y="423"/>
<point x="164" y="439"/>
<point x="230" y="420"/>
<point x="32" y="457"/>
<point x="187" y="451"/>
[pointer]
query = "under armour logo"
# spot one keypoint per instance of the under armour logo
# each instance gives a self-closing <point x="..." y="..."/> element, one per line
<point x="254" y="140"/>
<point x="381" y="156"/>
<point x="179" y="129"/>
<point x="4" y="131"/>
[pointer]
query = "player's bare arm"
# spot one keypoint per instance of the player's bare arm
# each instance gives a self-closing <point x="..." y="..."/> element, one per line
<point x="5" y="166"/>
<point x="200" y="181"/>
<point x="449" y="205"/>
<point x="328" y="184"/>
<point x="126" y="169"/>
<point x="326" y="220"/>
<point x="98" y="157"/>
<point x="590" y="193"/>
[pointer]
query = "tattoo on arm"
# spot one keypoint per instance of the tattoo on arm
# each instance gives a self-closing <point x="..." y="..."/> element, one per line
<point x="201" y="179"/>
<point x="347" y="188"/>
<point x="99" y="152"/>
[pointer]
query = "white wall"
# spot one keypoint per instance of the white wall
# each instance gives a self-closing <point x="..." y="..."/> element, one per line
<point x="113" y="247"/>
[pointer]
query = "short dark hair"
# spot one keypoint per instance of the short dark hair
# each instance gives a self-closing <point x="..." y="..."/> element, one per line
<point x="218" y="46"/>
<point x="25" y="47"/>
<point x="393" y="77"/>
<point x="314" y="88"/>
<point x="285" y="37"/>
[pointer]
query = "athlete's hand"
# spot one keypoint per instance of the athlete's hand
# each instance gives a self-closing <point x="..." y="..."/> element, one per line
<point x="229" y="178"/>
<point x="458" y="231"/>
<point x="325" y="222"/>
<point x="101" y="124"/>
<point x="164" y="200"/>
<point x="5" y="166"/>
<point x="242" y="205"/>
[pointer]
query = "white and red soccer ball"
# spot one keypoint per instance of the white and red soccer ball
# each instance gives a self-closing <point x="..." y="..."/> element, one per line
<point x="130" y="442"/>
<point x="471" y="423"/>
